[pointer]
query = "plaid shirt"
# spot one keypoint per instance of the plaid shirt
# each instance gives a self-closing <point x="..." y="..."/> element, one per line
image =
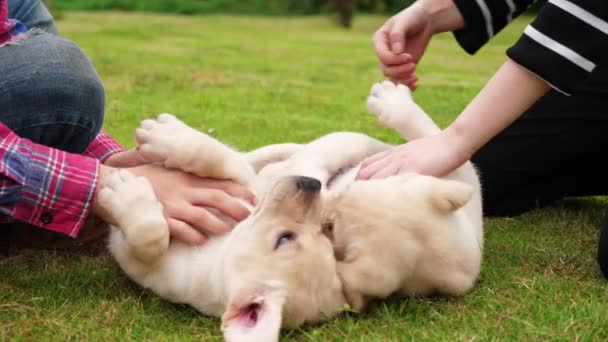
<point x="9" y="28"/>
<point x="47" y="187"/>
<point x="44" y="186"/>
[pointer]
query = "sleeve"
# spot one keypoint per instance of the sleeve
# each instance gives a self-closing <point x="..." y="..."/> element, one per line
<point x="484" y="19"/>
<point x="43" y="186"/>
<point x="565" y="44"/>
<point x="103" y="147"/>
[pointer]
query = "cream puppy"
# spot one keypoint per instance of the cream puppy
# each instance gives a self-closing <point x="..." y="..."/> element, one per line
<point x="277" y="268"/>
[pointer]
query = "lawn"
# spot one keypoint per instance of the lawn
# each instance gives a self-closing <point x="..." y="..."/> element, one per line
<point x="254" y="81"/>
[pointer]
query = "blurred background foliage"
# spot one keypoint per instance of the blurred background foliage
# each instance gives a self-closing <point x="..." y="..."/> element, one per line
<point x="344" y="9"/>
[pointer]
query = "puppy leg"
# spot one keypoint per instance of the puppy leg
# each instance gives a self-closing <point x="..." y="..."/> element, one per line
<point x="141" y="224"/>
<point x="171" y="142"/>
<point x="261" y="157"/>
<point x="329" y="154"/>
<point x="395" y="108"/>
<point x="364" y="279"/>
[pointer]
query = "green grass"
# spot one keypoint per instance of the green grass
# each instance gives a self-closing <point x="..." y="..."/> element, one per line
<point x="257" y="81"/>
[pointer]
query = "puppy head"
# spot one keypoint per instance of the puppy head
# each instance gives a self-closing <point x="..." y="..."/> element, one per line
<point x="280" y="269"/>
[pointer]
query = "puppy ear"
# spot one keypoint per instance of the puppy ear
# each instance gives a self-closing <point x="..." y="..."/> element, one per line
<point x="254" y="314"/>
<point x="449" y="195"/>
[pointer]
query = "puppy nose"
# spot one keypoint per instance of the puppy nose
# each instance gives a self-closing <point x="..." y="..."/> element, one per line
<point x="307" y="184"/>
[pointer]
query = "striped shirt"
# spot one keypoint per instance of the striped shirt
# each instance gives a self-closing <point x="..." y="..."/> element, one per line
<point x="46" y="187"/>
<point x="565" y="45"/>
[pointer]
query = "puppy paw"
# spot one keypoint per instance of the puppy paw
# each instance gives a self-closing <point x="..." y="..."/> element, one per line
<point x="391" y="103"/>
<point x="166" y="140"/>
<point x="132" y="203"/>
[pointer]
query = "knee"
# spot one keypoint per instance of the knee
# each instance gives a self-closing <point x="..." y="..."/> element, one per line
<point x="75" y="86"/>
<point x="53" y="87"/>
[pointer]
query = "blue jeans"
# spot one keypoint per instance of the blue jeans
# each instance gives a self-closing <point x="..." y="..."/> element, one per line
<point x="49" y="91"/>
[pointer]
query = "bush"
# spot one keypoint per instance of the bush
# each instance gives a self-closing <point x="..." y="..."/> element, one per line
<point x="231" y="6"/>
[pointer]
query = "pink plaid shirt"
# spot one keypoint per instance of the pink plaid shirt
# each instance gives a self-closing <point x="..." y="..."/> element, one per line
<point x="9" y="28"/>
<point x="46" y="187"/>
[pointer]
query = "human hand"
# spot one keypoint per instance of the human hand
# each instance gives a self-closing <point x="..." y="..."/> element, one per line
<point x="402" y="40"/>
<point x="186" y="200"/>
<point x="400" y="43"/>
<point x="436" y="155"/>
<point x="127" y="158"/>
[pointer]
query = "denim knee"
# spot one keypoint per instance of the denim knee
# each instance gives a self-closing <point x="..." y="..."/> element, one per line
<point x="54" y="96"/>
<point x="79" y="87"/>
<point x="32" y="13"/>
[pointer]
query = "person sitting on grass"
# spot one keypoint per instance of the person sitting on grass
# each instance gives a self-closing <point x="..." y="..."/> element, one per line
<point x="537" y="130"/>
<point x="54" y="154"/>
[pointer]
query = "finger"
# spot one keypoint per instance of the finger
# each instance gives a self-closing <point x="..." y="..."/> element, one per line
<point x="386" y="171"/>
<point x="184" y="232"/>
<point x="411" y="79"/>
<point x="228" y="186"/>
<point x="373" y="158"/>
<point x="221" y="201"/>
<point x="401" y="72"/>
<point x="397" y="33"/>
<point x="201" y="219"/>
<point x="239" y="191"/>
<point x="372" y="168"/>
<point x="385" y="55"/>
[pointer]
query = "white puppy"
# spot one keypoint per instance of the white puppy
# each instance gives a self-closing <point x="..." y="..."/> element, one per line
<point x="410" y="233"/>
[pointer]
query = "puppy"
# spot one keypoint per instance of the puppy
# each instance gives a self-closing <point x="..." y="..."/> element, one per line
<point x="277" y="268"/>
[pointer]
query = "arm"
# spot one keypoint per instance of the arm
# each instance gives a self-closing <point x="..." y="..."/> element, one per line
<point x="550" y="53"/>
<point x="9" y="28"/>
<point x="107" y="150"/>
<point x="403" y="39"/>
<point x="103" y="147"/>
<point x="43" y="186"/>
<point x="484" y="20"/>
<point x="57" y="190"/>
<point x="508" y="94"/>
<point x="482" y="119"/>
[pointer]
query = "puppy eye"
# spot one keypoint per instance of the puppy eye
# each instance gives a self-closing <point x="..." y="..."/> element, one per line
<point x="284" y="238"/>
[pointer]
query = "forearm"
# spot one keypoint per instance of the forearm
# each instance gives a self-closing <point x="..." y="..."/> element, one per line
<point x="508" y="94"/>
<point x="103" y="147"/>
<point x="443" y="14"/>
<point x="128" y="158"/>
<point x="43" y="186"/>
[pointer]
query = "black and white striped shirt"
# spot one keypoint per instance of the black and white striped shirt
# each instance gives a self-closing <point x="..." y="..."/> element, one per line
<point x="564" y="45"/>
